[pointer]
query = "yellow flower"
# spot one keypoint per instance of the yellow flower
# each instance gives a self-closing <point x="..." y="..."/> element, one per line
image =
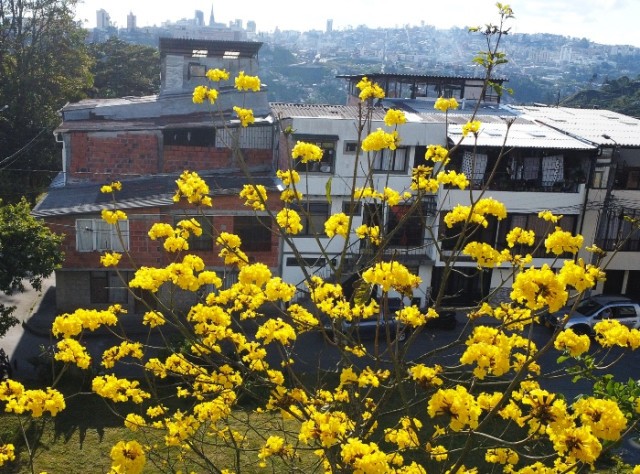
<point x="7" y="453"/>
<point x="472" y="127"/>
<point x="604" y="417"/>
<point x="458" y="404"/>
<point x="484" y="254"/>
<point x="306" y="152"/>
<point x="573" y="343"/>
<point x="548" y="216"/>
<point x="562" y="241"/>
<point x="539" y="287"/>
<point x="247" y="82"/>
<point x="369" y="90"/>
<point x="255" y="195"/>
<point x="436" y="153"/>
<point x="520" y="236"/>
<point x="200" y="93"/>
<point x="394" y="117"/>
<point x="391" y="275"/>
<point x="110" y="259"/>
<point x="128" y="457"/>
<point x="245" y="116"/>
<point x="379" y="140"/>
<point x="289" y="220"/>
<point x="192" y="187"/>
<point x="112" y="217"/>
<point x="109" y="188"/>
<point x="288" y="177"/>
<point x="445" y="104"/>
<point x="217" y="75"/>
<point x="133" y="421"/>
<point x="337" y="224"/>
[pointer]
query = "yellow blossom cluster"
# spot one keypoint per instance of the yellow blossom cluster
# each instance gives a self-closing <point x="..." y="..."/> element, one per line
<point x="456" y="403"/>
<point x="484" y="254"/>
<point x="176" y="239"/>
<point x="72" y="324"/>
<point x="115" y="353"/>
<point x="289" y="221"/>
<point x="71" y="351"/>
<point x="394" y="117"/>
<point x="217" y="75"/>
<point x="369" y="90"/>
<point x="388" y="195"/>
<point x="471" y="127"/>
<point x="128" y="456"/>
<point x="275" y="446"/>
<point x="245" y="115"/>
<point x="412" y="316"/>
<point x="246" y="83"/>
<point x="19" y="400"/>
<point x="230" y="251"/>
<point x="255" y="195"/>
<point x="610" y="332"/>
<point x="110" y="259"/>
<point x="444" y="104"/>
<point x="193" y="188"/>
<point x="118" y="390"/>
<point x="391" y="275"/>
<point x="571" y="342"/>
<point x="372" y="232"/>
<point x="337" y="224"/>
<point x="380" y="140"/>
<point x="110" y="188"/>
<point x="518" y="235"/>
<point x="561" y="241"/>
<point x="7" y="453"/>
<point x="426" y="376"/>
<point x="202" y="93"/>
<point x="306" y="152"/>
<point x="437" y="153"/>
<point x="112" y="217"/>
<point x="476" y="214"/>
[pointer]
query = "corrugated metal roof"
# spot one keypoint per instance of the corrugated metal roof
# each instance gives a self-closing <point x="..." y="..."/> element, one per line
<point x="148" y="191"/>
<point x="347" y="112"/>
<point x="343" y="112"/>
<point x="523" y="133"/>
<point x="590" y="124"/>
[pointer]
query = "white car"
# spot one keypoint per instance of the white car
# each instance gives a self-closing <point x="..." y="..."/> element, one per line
<point x="593" y="310"/>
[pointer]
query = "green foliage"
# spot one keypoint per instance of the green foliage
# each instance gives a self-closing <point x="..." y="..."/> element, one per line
<point x="122" y="69"/>
<point x="43" y="65"/>
<point x="28" y="250"/>
<point x="620" y="95"/>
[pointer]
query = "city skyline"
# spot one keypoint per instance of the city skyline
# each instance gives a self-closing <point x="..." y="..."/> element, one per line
<point x="601" y="21"/>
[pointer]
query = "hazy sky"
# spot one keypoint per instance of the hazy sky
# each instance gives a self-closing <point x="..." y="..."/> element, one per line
<point x="602" y="21"/>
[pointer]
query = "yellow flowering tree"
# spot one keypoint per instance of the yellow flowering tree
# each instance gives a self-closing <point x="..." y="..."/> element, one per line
<point x="383" y="408"/>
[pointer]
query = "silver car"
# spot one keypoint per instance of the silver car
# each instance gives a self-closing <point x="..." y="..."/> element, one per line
<point x="593" y="310"/>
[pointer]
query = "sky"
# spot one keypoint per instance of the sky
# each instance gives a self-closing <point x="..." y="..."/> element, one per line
<point x="601" y="21"/>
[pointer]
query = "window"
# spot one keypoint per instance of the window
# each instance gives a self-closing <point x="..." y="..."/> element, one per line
<point x="254" y="231"/>
<point x="203" y="241"/>
<point x="616" y="227"/>
<point x="449" y="236"/>
<point x="357" y="208"/>
<point x="394" y="161"/>
<point x="96" y="234"/>
<point x="106" y="287"/>
<point x="350" y="147"/>
<point x="307" y="261"/>
<point x="408" y="234"/>
<point x="204" y="137"/>
<point x="313" y="215"/>
<point x="328" y="145"/>
<point x="197" y="70"/>
<point x="539" y="226"/>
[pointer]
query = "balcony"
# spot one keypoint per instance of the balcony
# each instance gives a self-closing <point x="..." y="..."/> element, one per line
<point x="407" y="255"/>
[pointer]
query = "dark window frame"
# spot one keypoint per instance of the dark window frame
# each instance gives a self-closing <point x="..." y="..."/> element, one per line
<point x="254" y="232"/>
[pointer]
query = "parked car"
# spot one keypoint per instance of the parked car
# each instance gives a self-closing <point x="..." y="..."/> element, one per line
<point x="592" y="310"/>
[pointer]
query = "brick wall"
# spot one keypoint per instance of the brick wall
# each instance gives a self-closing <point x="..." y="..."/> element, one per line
<point x="105" y="156"/>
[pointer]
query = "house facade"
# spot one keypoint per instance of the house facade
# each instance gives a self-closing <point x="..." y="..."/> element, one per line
<point x="146" y="143"/>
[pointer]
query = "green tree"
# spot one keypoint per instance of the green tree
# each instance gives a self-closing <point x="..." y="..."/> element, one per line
<point x="43" y="65"/>
<point x="28" y="251"/>
<point x="121" y="69"/>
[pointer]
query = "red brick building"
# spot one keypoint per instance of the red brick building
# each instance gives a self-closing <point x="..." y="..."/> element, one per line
<point x="146" y="143"/>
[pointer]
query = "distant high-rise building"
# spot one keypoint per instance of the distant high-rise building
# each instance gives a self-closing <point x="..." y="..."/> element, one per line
<point x="211" y="19"/>
<point x="103" y="20"/>
<point x="329" y="26"/>
<point x="131" y="22"/>
<point x="199" y="18"/>
<point x="236" y="24"/>
<point x="251" y="26"/>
